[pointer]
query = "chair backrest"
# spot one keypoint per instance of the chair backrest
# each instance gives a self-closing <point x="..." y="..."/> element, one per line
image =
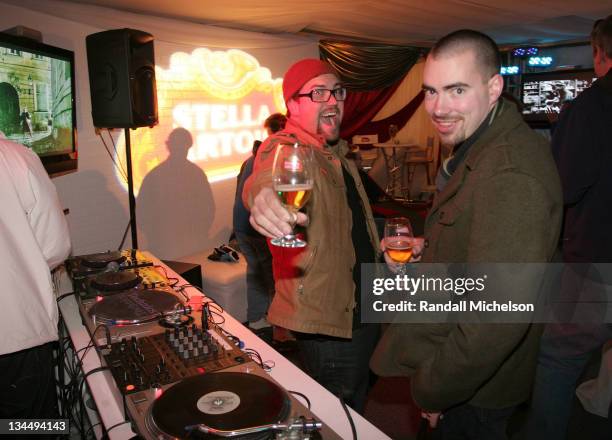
<point x="431" y="145"/>
<point x="365" y="139"/>
<point x="428" y="154"/>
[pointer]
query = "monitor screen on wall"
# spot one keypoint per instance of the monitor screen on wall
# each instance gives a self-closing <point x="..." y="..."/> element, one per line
<point x="37" y="100"/>
<point x="549" y="91"/>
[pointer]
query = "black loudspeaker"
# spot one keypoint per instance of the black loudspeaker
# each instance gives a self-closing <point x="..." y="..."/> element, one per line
<point x="122" y="78"/>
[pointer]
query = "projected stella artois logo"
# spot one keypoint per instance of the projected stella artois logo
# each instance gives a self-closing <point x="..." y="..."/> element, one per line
<point x="222" y="98"/>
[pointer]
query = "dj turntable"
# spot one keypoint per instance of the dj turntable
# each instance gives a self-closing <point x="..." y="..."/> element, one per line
<point x="134" y="311"/>
<point x="109" y="283"/>
<point x="241" y="402"/>
<point x="83" y="266"/>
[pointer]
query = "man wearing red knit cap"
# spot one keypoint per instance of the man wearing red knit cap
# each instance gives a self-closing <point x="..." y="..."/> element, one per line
<point x="318" y="288"/>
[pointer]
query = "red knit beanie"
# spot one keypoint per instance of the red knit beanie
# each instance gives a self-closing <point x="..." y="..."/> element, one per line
<point x="302" y="72"/>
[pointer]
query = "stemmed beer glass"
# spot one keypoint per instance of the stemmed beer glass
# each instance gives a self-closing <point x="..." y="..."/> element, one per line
<point x="398" y="243"/>
<point x="293" y="181"/>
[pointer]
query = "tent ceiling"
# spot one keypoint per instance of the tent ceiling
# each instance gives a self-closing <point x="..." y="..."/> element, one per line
<point x="406" y="22"/>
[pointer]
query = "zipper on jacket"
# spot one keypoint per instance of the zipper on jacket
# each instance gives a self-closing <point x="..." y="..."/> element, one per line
<point x="313" y="253"/>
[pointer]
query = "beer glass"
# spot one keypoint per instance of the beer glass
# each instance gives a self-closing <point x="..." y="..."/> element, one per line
<point x="293" y="181"/>
<point x="398" y="243"/>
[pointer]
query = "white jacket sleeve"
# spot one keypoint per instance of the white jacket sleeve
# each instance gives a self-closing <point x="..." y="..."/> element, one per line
<point x="46" y="216"/>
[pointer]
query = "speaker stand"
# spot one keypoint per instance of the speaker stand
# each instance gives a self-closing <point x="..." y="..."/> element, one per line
<point x="130" y="182"/>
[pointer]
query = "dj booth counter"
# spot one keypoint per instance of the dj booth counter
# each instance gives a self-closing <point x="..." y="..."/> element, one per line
<point x="109" y="401"/>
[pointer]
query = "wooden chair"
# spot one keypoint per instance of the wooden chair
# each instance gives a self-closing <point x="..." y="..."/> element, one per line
<point x="366" y="153"/>
<point x="427" y="158"/>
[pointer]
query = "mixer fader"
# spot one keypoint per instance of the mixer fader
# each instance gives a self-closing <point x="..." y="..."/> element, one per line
<point x="151" y="361"/>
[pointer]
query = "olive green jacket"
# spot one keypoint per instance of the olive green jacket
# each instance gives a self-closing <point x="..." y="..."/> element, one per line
<point x="314" y="286"/>
<point x="502" y="204"/>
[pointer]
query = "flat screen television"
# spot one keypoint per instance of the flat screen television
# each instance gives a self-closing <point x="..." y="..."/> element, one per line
<point x="548" y="91"/>
<point x="37" y="100"/>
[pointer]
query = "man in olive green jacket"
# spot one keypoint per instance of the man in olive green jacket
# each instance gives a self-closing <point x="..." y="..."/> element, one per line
<point x="499" y="201"/>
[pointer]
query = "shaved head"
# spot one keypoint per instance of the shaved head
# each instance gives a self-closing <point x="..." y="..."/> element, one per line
<point x="484" y="48"/>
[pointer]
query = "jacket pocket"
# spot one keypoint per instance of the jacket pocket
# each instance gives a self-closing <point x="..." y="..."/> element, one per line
<point x="329" y="171"/>
<point x="449" y="215"/>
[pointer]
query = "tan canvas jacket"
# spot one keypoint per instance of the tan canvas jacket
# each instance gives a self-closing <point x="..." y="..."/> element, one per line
<point x="316" y="293"/>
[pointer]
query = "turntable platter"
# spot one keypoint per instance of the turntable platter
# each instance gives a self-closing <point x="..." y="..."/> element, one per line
<point x="101" y="260"/>
<point x="114" y="281"/>
<point x="134" y="307"/>
<point x="225" y="401"/>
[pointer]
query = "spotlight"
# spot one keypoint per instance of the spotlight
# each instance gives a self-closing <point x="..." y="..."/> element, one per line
<point x="519" y="52"/>
<point x="540" y="61"/>
<point x="532" y="51"/>
<point x="509" y="70"/>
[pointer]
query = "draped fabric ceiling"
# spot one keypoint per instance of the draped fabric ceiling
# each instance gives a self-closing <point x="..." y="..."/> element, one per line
<point x="391" y="30"/>
<point x="403" y="22"/>
<point x="399" y="22"/>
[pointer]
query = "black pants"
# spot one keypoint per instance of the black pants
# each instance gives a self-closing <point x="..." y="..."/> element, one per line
<point x="341" y="365"/>
<point x="27" y="384"/>
<point x="467" y="422"/>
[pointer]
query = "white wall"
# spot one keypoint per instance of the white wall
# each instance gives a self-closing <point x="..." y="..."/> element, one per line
<point x="97" y="201"/>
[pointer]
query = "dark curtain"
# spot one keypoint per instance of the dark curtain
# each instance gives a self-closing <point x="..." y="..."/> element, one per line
<point x="361" y="107"/>
<point x="369" y="66"/>
<point x="372" y="73"/>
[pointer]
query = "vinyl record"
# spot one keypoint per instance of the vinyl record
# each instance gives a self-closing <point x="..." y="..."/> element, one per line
<point x="134" y="307"/>
<point x="115" y="281"/>
<point x="101" y="260"/>
<point x="225" y="401"/>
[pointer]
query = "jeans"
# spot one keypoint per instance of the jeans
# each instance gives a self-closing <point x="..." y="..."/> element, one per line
<point x="566" y="347"/>
<point x="564" y="351"/>
<point x="341" y="365"/>
<point x="27" y="384"/>
<point x="467" y="422"/>
<point x="260" y="279"/>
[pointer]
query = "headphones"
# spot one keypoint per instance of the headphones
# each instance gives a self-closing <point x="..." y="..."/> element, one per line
<point x="224" y="253"/>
